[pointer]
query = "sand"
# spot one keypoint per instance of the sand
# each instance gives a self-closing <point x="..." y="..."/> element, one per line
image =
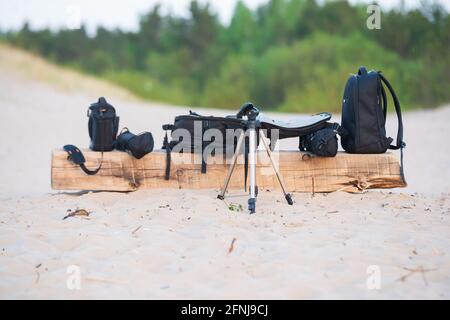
<point x="176" y="244"/>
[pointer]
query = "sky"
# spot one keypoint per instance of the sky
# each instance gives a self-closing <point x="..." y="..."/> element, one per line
<point x="58" y="14"/>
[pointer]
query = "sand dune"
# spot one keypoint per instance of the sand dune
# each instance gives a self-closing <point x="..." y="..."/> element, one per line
<point x="175" y="243"/>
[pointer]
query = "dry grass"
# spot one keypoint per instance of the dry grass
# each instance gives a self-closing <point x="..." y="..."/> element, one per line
<point x="37" y="68"/>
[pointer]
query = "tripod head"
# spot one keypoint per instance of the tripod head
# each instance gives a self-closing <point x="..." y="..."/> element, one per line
<point x="249" y="110"/>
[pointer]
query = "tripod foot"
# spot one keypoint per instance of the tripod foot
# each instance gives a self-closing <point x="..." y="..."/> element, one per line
<point x="221" y="197"/>
<point x="289" y="199"/>
<point x="252" y="205"/>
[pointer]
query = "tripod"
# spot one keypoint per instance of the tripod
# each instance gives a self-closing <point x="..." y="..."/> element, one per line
<point x="252" y="125"/>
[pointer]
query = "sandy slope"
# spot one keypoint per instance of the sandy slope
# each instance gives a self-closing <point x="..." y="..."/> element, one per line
<point x="174" y="244"/>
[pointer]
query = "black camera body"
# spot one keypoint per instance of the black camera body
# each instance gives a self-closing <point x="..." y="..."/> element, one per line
<point x="103" y="125"/>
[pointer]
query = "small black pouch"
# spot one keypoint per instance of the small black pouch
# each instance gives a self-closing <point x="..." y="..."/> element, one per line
<point x="138" y="145"/>
<point x="322" y="143"/>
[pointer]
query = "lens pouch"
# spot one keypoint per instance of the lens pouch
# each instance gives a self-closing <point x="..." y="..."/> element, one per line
<point x="138" y="145"/>
<point x="322" y="143"/>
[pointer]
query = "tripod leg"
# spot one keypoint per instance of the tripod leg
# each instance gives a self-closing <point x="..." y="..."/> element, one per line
<point x="252" y="164"/>
<point x="287" y="196"/>
<point x="221" y="196"/>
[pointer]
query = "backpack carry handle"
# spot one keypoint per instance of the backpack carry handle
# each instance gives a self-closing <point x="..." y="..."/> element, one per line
<point x="362" y="71"/>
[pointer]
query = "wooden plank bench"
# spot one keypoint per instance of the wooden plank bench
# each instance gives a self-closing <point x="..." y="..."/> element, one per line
<point x="301" y="172"/>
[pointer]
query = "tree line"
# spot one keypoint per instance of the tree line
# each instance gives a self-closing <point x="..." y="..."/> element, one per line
<point x="288" y="55"/>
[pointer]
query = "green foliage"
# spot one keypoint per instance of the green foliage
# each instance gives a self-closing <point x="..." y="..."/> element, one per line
<point x="290" y="55"/>
<point x="309" y="75"/>
<point x="146" y="87"/>
<point x="242" y="30"/>
<point x="235" y="207"/>
<point x="232" y="85"/>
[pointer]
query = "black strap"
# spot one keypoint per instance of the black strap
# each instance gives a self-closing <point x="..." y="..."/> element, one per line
<point x="385" y="103"/>
<point x="203" y="164"/>
<point x="166" y="146"/>
<point x="92" y="172"/>
<point x="205" y="126"/>
<point x="400" y="144"/>
<point x="75" y="155"/>
<point x="402" y="172"/>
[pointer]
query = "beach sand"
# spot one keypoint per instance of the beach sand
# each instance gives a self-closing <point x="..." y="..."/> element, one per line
<point x="186" y="244"/>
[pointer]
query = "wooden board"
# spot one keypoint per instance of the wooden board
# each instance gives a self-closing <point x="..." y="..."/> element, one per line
<point x="301" y="172"/>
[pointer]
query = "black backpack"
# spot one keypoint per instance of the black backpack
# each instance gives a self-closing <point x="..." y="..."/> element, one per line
<point x="364" y="110"/>
<point x="103" y="125"/>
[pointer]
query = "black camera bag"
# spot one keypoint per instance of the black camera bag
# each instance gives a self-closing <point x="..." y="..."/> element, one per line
<point x="196" y="143"/>
<point x="103" y="125"/>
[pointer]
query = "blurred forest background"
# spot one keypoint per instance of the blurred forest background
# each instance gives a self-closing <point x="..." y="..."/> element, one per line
<point x="287" y="55"/>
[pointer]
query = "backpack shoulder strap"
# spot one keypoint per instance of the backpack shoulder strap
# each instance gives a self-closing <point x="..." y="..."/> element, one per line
<point x="399" y="144"/>
<point x="385" y="103"/>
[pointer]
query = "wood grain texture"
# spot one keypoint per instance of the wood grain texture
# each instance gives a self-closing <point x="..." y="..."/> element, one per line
<point x="301" y="172"/>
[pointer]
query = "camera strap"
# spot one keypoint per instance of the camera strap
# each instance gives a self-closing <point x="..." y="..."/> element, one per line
<point x="76" y="156"/>
<point x="168" y="148"/>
